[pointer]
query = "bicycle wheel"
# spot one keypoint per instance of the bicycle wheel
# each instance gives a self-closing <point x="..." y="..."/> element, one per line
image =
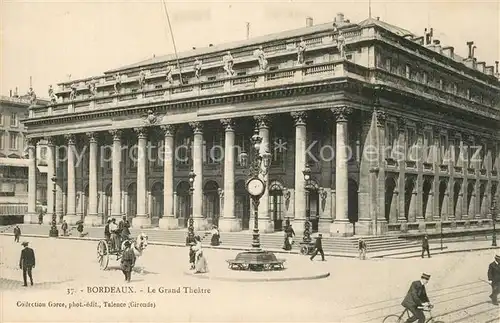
<point x="393" y="319"/>
<point x="431" y="321"/>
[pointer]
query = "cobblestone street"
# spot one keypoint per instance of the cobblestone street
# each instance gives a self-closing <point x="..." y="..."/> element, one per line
<point x="356" y="291"/>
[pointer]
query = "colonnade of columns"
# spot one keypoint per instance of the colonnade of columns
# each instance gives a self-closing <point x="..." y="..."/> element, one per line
<point x="228" y="221"/>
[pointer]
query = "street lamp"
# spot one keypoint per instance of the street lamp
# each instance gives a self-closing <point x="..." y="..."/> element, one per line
<point x="54" y="233"/>
<point x="307" y="224"/>
<point x="191" y="177"/>
<point x="494" y="218"/>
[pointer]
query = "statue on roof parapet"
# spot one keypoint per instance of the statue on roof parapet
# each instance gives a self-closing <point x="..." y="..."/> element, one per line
<point x="197" y="67"/>
<point x="428" y="36"/>
<point x="169" y="77"/>
<point x="118" y="82"/>
<point x="52" y="95"/>
<point x="142" y="79"/>
<point x="228" y="63"/>
<point x="261" y="57"/>
<point x="301" y="48"/>
<point x="341" y="45"/>
<point x="32" y="96"/>
<point x="72" y="94"/>
<point x="92" y="87"/>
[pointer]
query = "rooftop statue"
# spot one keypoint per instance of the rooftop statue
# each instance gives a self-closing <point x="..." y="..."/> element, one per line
<point x="261" y="57"/>
<point x="341" y="45"/>
<point x="92" y="87"/>
<point x="52" y="95"/>
<point x="197" y="67"/>
<point x="228" y="63"/>
<point x="301" y="48"/>
<point x="142" y="78"/>
<point x="169" y="77"/>
<point x="118" y="81"/>
<point x="72" y="94"/>
<point x="32" y="96"/>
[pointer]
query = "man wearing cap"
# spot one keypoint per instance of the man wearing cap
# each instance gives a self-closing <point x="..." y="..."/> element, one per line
<point x="417" y="297"/>
<point x="27" y="262"/>
<point x="128" y="261"/>
<point x="494" y="278"/>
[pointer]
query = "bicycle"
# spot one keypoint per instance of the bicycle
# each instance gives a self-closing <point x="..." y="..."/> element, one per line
<point x="393" y="318"/>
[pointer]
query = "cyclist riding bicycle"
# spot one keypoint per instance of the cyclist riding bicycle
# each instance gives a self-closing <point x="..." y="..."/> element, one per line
<point x="416" y="298"/>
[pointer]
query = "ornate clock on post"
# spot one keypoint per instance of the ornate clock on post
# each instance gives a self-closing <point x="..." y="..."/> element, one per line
<point x="256" y="259"/>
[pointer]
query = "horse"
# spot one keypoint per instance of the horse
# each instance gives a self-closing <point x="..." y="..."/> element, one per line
<point x="138" y="245"/>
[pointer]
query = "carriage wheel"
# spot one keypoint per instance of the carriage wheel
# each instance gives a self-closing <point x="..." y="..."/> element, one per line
<point x="103" y="254"/>
<point x="304" y="250"/>
<point x="393" y="319"/>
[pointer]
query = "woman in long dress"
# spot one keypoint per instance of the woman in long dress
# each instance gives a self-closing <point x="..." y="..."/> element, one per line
<point x="201" y="262"/>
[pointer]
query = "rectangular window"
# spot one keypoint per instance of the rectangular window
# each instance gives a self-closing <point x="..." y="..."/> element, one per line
<point x="43" y="153"/>
<point x="443" y="146"/>
<point x="427" y="146"/>
<point x="13" y="120"/>
<point x="278" y="147"/>
<point x="1" y="140"/>
<point x="182" y="150"/>
<point x="1" y="119"/>
<point x="391" y="139"/>
<point x="411" y="140"/>
<point x="313" y="157"/>
<point x="494" y="156"/>
<point x="13" y="139"/>
<point x="241" y="146"/>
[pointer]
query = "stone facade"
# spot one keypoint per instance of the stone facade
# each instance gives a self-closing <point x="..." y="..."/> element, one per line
<point x="399" y="134"/>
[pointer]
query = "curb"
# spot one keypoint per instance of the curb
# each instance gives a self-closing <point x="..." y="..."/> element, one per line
<point x="253" y="280"/>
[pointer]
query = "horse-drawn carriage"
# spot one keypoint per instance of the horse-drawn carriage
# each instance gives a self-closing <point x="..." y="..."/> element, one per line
<point x="104" y="251"/>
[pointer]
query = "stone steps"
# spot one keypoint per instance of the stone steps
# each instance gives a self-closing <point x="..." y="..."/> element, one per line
<point x="243" y="239"/>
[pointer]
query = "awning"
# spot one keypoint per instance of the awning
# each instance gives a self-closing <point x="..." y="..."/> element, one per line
<point x="42" y="169"/>
<point x="15" y="162"/>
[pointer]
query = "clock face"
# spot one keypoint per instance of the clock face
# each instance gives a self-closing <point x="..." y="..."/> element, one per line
<point x="255" y="187"/>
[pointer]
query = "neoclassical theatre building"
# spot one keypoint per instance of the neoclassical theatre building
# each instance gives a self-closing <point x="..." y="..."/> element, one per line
<point x="400" y="133"/>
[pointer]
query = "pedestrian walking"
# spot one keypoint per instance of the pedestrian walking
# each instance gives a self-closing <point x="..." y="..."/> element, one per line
<point x="425" y="246"/>
<point x="64" y="228"/>
<point x="17" y="233"/>
<point x="215" y="240"/>
<point x="362" y="249"/>
<point x="318" y="247"/>
<point x="289" y="234"/>
<point x="191" y="242"/>
<point x="79" y="228"/>
<point x="27" y="263"/>
<point x="415" y="298"/>
<point x="128" y="261"/>
<point x="494" y="278"/>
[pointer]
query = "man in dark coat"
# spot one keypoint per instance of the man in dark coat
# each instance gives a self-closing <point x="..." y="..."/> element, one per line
<point x="124" y="228"/>
<point x="27" y="262"/>
<point x="494" y="278"/>
<point x="425" y="246"/>
<point x="318" y="247"/>
<point x="417" y="297"/>
<point x="17" y="233"/>
<point x="128" y="261"/>
<point x="107" y="233"/>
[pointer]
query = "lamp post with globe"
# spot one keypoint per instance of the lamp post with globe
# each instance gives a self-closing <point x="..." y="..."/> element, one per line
<point x="307" y="224"/>
<point x="494" y="220"/>
<point x="53" y="233"/>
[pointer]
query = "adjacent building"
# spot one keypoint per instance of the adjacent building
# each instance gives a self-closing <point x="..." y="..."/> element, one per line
<point x="399" y="132"/>
<point x="14" y="161"/>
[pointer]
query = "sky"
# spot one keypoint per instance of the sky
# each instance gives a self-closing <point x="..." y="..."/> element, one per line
<point x="55" y="41"/>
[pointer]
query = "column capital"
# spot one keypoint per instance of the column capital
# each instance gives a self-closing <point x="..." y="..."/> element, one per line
<point x="92" y="136"/>
<point x="262" y="121"/>
<point x="228" y="124"/>
<point x="117" y="134"/>
<point x="197" y="127"/>
<point x="341" y="113"/>
<point x="50" y="141"/>
<point x="168" y="129"/>
<point x="31" y="142"/>
<point x="299" y="117"/>
<point x="401" y="124"/>
<point x="70" y="138"/>
<point x="381" y="117"/>
<point x="141" y="132"/>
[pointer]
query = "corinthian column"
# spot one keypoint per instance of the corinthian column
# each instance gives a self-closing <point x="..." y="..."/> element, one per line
<point x="168" y="221"/>
<point x="228" y="222"/>
<point x="341" y="225"/>
<point x="141" y="219"/>
<point x="116" y="187"/>
<point x="50" y="173"/>
<point x="71" y="217"/>
<point x="92" y="218"/>
<point x="300" y="163"/>
<point x="200" y="223"/>
<point x="265" y="222"/>
<point x="32" y="216"/>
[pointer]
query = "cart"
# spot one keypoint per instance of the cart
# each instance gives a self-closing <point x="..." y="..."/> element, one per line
<point x="306" y="248"/>
<point x="103" y="254"/>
